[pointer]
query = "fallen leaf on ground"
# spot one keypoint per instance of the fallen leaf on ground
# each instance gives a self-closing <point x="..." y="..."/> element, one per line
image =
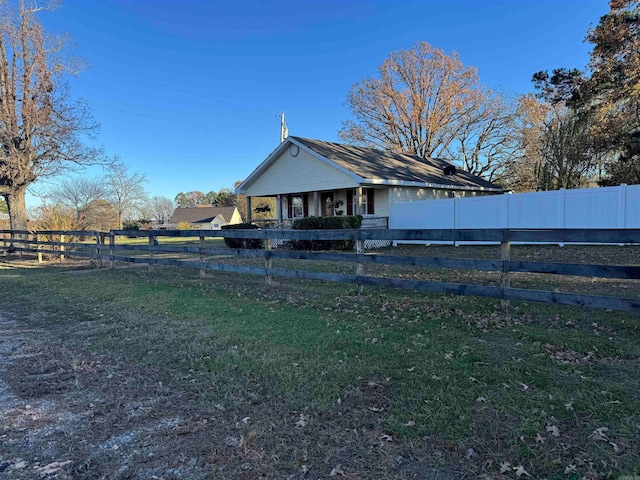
<point x="519" y="471"/>
<point x="53" y="468"/>
<point x="599" y="434"/>
<point x="553" y="430"/>
<point x="504" y="467"/>
<point x="335" y="471"/>
<point x="302" y="421"/>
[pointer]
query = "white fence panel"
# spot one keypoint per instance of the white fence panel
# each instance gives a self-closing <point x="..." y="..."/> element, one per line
<point x="608" y="207"/>
<point x="482" y="212"/>
<point x="593" y="208"/>
<point x="632" y="209"/>
<point x="422" y="214"/>
<point x="535" y="210"/>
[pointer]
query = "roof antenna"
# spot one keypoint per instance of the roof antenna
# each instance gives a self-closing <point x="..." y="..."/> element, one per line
<point x="284" y="130"/>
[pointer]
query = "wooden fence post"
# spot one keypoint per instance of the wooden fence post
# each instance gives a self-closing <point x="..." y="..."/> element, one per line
<point x="268" y="262"/>
<point x="61" y="248"/>
<point x="202" y="270"/>
<point x="99" y="244"/>
<point x="505" y="278"/>
<point x="112" y="249"/>
<point x="38" y="247"/>
<point x="151" y="244"/>
<point x="103" y="236"/>
<point x="359" y="265"/>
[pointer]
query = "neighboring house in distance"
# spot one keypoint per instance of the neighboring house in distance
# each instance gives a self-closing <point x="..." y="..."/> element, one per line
<point x="316" y="178"/>
<point x="203" y="217"/>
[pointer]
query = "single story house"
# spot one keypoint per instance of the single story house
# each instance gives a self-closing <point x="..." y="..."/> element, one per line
<point x="203" y="217"/>
<point x="316" y="178"/>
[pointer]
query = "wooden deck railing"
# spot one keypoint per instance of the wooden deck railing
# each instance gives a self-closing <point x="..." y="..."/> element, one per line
<point x="94" y="245"/>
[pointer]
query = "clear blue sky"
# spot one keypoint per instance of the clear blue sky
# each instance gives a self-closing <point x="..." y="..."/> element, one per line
<point x="188" y="92"/>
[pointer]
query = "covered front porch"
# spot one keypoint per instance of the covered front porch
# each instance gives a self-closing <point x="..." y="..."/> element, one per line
<point x="371" y="203"/>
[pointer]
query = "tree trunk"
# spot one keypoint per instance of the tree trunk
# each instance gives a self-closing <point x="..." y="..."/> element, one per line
<point x="17" y="209"/>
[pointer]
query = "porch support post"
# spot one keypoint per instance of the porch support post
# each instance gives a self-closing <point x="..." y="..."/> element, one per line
<point x="279" y="210"/>
<point x="317" y="208"/>
<point x="249" y="209"/>
<point x="358" y="203"/>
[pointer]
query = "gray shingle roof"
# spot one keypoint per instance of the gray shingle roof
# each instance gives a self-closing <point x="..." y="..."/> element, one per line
<point x="201" y="214"/>
<point x="374" y="164"/>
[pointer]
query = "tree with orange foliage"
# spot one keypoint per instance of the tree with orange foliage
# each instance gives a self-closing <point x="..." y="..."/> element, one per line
<point x="426" y="103"/>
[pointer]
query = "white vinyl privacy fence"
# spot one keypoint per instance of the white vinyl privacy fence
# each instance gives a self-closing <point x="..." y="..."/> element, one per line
<point x="607" y="207"/>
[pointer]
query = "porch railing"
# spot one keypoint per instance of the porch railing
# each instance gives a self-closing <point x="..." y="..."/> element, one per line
<point x="375" y="222"/>
<point x="368" y="222"/>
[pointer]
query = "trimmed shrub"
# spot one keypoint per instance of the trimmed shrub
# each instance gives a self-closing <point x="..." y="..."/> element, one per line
<point x="326" y="223"/>
<point x="242" y="242"/>
<point x="131" y="225"/>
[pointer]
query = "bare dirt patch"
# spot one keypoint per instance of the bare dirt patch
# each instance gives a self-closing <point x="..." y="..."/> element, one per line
<point x="71" y="414"/>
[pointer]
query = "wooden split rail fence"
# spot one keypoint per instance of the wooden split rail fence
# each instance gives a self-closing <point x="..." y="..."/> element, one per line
<point x="94" y="245"/>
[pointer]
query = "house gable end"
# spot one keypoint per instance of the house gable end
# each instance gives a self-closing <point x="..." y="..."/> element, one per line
<point x="307" y="171"/>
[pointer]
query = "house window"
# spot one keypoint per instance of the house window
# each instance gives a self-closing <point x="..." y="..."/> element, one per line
<point x="297" y="205"/>
<point x="367" y="201"/>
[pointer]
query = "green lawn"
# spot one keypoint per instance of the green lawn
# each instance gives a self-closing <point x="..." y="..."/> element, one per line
<point x="452" y="379"/>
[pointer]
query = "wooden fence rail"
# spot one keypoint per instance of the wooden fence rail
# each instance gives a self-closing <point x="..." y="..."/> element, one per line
<point x="152" y="253"/>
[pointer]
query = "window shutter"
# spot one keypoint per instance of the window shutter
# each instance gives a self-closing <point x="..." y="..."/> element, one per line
<point x="289" y="206"/>
<point x="305" y="204"/>
<point x="349" y="202"/>
<point x="370" y="202"/>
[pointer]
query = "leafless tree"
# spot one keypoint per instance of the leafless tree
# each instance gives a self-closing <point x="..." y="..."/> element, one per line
<point x="125" y="191"/>
<point x="80" y="196"/>
<point x="160" y="209"/>
<point x="40" y="127"/>
<point x="567" y="151"/>
<point x="488" y="141"/>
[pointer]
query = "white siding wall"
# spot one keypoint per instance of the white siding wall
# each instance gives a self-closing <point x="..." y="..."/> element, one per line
<point x="303" y="173"/>
<point x="381" y="202"/>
